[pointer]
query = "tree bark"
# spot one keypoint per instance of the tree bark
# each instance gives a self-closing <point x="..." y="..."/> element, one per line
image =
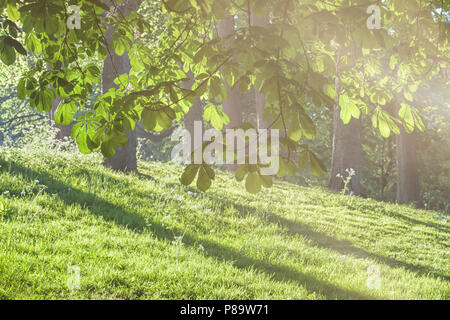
<point x="232" y="104"/>
<point x="195" y="112"/>
<point x="260" y="99"/>
<point x="387" y="165"/>
<point x="408" y="188"/>
<point x="346" y="153"/>
<point x="125" y="158"/>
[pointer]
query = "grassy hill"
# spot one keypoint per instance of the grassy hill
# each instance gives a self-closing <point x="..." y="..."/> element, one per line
<point x="148" y="237"/>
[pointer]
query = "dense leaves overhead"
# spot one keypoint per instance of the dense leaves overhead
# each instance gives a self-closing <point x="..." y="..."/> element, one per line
<point x="293" y="61"/>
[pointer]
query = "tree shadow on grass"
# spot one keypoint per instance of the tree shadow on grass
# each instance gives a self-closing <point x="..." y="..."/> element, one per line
<point x="325" y="241"/>
<point x="319" y="239"/>
<point x="72" y="196"/>
<point x="414" y="221"/>
<point x="137" y="223"/>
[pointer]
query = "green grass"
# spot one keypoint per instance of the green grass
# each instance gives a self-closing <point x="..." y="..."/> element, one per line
<point x="148" y="237"/>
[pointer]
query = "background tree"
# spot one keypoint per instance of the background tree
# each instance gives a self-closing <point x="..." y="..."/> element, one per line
<point x="232" y="104"/>
<point x="113" y="66"/>
<point x="260" y="99"/>
<point x="408" y="190"/>
<point x="346" y="152"/>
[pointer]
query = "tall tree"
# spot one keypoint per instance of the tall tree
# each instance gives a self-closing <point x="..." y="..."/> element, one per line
<point x="408" y="189"/>
<point x="260" y="98"/>
<point x="232" y="104"/>
<point x="386" y="164"/>
<point x="195" y="112"/>
<point x="113" y="66"/>
<point x="346" y="153"/>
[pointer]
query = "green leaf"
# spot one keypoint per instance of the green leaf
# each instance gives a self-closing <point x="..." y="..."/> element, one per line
<point x="7" y="53"/>
<point x="393" y="62"/>
<point x="120" y="46"/>
<point x="209" y="170"/>
<point x="282" y="170"/>
<point x="348" y="109"/>
<point x="308" y="126"/>
<point x="51" y="25"/>
<point x="99" y="4"/>
<point x="189" y="174"/>
<point x="178" y="6"/>
<point x="291" y="167"/>
<point x="216" y="116"/>
<point x="21" y="93"/>
<point x="330" y="91"/>
<point x="82" y="140"/>
<point x="45" y="99"/>
<point x="408" y="95"/>
<point x="294" y="130"/>
<point x="303" y="160"/>
<point x="418" y="120"/>
<point x="408" y="119"/>
<point x="15" y="44"/>
<point x="108" y="147"/>
<point x="149" y="119"/>
<point x="204" y="180"/>
<point x="33" y="44"/>
<point x="383" y="127"/>
<point x="241" y="172"/>
<point x="317" y="166"/>
<point x="253" y="183"/>
<point x="64" y="113"/>
<point x="13" y="13"/>
<point x="164" y="119"/>
<point x="267" y="181"/>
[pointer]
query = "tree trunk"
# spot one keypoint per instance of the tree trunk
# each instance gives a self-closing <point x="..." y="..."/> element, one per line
<point x="232" y="104"/>
<point x="125" y="158"/>
<point x="62" y="132"/>
<point x="387" y="165"/>
<point x="408" y="189"/>
<point x="195" y="112"/>
<point x="260" y="99"/>
<point x="346" y="153"/>
<point x="382" y="170"/>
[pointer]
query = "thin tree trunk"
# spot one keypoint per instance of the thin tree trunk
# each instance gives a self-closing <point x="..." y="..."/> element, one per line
<point x="346" y="153"/>
<point x="386" y="165"/>
<point x="408" y="189"/>
<point x="382" y="170"/>
<point x="125" y="158"/>
<point x="260" y="99"/>
<point x="232" y="104"/>
<point x="195" y="112"/>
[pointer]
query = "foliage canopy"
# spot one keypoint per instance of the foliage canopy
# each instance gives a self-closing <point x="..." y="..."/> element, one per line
<point x="294" y="61"/>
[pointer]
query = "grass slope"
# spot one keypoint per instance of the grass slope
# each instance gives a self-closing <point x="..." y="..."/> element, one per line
<point x="149" y="237"/>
